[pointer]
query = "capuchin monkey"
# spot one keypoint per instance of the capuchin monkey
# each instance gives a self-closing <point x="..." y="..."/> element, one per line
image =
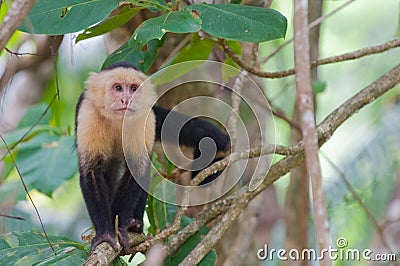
<point x="109" y="188"/>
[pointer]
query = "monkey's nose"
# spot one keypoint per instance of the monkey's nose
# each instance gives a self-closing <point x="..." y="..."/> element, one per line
<point x="125" y="100"/>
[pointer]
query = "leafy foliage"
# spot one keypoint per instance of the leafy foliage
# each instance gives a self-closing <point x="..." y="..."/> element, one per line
<point x="45" y="157"/>
<point x="155" y="28"/>
<point x="44" y="153"/>
<point x="229" y="21"/>
<point x="66" y="16"/>
<point x="109" y="23"/>
<point x="197" y="49"/>
<point x="141" y="59"/>
<point x="241" y="23"/>
<point x="31" y="248"/>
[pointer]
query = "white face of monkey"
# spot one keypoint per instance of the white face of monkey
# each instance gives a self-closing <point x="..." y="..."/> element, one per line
<point x="122" y="98"/>
<point x="119" y="93"/>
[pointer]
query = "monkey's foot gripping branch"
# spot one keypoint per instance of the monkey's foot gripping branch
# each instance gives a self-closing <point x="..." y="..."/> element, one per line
<point x="104" y="253"/>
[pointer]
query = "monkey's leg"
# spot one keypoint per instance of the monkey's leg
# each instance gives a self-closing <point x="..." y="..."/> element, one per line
<point x="136" y="223"/>
<point x="129" y="203"/>
<point x="96" y="189"/>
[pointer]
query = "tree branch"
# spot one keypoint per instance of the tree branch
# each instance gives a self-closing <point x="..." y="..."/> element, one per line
<point x="18" y="11"/>
<point x="305" y="102"/>
<point x="377" y="49"/>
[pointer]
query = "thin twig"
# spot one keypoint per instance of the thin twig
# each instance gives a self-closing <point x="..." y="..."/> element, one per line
<point x="27" y="193"/>
<point x="18" y="54"/>
<point x="324" y="17"/>
<point x="12" y="217"/>
<point x="176" y="224"/>
<point x="377" y="49"/>
<point x="357" y="198"/>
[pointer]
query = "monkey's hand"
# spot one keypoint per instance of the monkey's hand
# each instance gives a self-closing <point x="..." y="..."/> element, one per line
<point x="104" y="237"/>
<point x="135" y="225"/>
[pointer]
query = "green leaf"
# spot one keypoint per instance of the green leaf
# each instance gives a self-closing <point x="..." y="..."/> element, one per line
<point x="241" y="23"/>
<point x="66" y="16"/>
<point x="109" y="23"/>
<point x="318" y="86"/>
<point x="34" y="113"/>
<point x="164" y="213"/>
<point x="210" y="259"/>
<point x="169" y="166"/>
<point x="47" y="161"/>
<point x="151" y="213"/>
<point x="197" y="49"/>
<point x="11" y="138"/>
<point x="32" y="248"/>
<point x="155" y="28"/>
<point x="235" y="47"/>
<point x="174" y="71"/>
<point x="141" y="59"/>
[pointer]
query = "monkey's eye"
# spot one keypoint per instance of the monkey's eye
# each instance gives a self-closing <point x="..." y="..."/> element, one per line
<point x="134" y="87"/>
<point x="118" y="87"/>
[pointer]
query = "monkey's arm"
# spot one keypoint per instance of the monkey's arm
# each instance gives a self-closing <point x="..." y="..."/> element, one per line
<point x="192" y="132"/>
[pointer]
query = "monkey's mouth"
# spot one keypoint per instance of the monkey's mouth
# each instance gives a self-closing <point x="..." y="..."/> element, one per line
<point x="123" y="110"/>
